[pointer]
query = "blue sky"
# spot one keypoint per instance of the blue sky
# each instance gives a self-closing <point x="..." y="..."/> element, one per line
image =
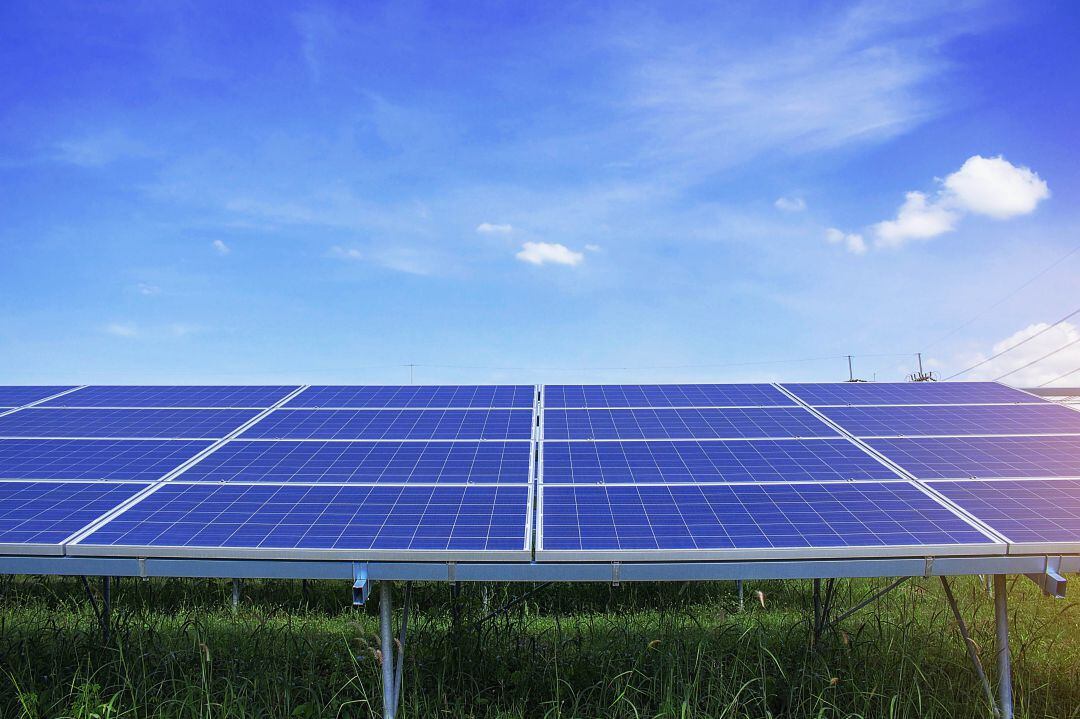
<point x="535" y="192"/>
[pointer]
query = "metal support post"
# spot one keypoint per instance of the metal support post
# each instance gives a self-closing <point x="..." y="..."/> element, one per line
<point x="106" y="607"/>
<point x="1001" y="621"/>
<point x="235" y="594"/>
<point x="386" y="635"/>
<point x="817" y="610"/>
<point x="739" y="591"/>
<point x="403" y="632"/>
<point x="969" y="644"/>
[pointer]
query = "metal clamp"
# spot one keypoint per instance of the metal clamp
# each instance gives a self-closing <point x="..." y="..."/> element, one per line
<point x="361" y="588"/>
<point x="615" y="573"/>
<point x="928" y="566"/>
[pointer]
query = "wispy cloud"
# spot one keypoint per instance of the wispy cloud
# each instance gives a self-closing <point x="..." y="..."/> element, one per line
<point x="790" y="204"/>
<point x="853" y="242"/>
<point x="346" y="253"/>
<point x="220" y="247"/>
<point x="122" y="329"/>
<point x="541" y="253"/>
<point x="147" y="290"/>
<point x="488" y="228"/>
<point x="98" y="150"/>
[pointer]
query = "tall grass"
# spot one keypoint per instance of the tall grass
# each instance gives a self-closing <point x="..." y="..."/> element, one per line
<point x="670" y="650"/>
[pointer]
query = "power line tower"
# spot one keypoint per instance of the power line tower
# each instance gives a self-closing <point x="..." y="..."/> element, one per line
<point x="921" y="376"/>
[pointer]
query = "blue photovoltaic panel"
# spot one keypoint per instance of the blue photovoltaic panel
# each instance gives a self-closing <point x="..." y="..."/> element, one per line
<point x="983" y="457"/>
<point x="575" y="396"/>
<point x="417" y="396"/>
<point x="18" y="395"/>
<point x="683" y="423"/>
<point x="1031" y="511"/>
<point x="955" y="420"/>
<point x="366" y="462"/>
<point x="785" y="460"/>
<point x="256" y="397"/>
<point x="607" y="519"/>
<point x="394" y="424"/>
<point x="49" y="512"/>
<point x="115" y="459"/>
<point x="870" y="393"/>
<point x="309" y="518"/>
<point x="120" y="423"/>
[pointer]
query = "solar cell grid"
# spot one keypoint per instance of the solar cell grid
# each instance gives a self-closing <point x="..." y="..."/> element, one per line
<point x="967" y="457"/>
<point x="292" y="521"/>
<point x="707" y="423"/>
<point x="697" y="462"/>
<point x="908" y="393"/>
<point x="1032" y="512"/>
<point x="255" y="397"/>
<point x="955" y="420"/>
<point x="664" y="395"/>
<point x="18" y="395"/>
<point x="366" y="462"/>
<point x="393" y="424"/>
<point x="106" y="459"/>
<point x="416" y="396"/>
<point x="698" y="521"/>
<point x="47" y="513"/>
<point x="122" y="423"/>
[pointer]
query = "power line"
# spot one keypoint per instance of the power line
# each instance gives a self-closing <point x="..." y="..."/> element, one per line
<point x="1009" y="296"/>
<point x="1036" y="361"/>
<point x="1018" y="344"/>
<point x="1060" y="376"/>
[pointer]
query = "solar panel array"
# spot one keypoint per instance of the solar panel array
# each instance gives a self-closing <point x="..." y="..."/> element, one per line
<point x="276" y="471"/>
<point x="491" y="473"/>
<point x="655" y="472"/>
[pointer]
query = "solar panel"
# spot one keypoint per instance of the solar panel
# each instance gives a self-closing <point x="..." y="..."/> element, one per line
<point x="393" y="424"/>
<point x="18" y="395"/>
<point x="304" y="521"/>
<point x="750" y="521"/>
<point x="113" y="459"/>
<point x="664" y="395"/>
<point x="417" y="396"/>
<point x="366" y="462"/>
<point x="1044" y="514"/>
<point x="35" y="517"/>
<point x="788" y="460"/>
<point x="172" y="396"/>
<point x="899" y="393"/>
<point x="955" y="420"/>
<point x="123" y="423"/>
<point x="683" y="423"/>
<point x="967" y="457"/>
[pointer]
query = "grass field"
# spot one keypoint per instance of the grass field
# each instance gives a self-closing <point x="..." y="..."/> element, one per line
<point x="179" y="650"/>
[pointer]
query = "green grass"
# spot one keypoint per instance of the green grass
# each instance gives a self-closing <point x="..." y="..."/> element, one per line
<point x="674" y="650"/>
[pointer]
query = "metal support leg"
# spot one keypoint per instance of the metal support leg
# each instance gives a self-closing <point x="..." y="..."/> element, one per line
<point x="1001" y="620"/>
<point x="403" y="632"/>
<point x="817" y="610"/>
<point x="739" y="591"/>
<point x="386" y="635"/>
<point x="235" y="594"/>
<point x="970" y="646"/>
<point x="106" y="607"/>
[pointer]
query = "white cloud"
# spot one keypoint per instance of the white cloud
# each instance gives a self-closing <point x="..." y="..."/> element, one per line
<point x="1042" y="371"/>
<point x="988" y="186"/>
<point x="539" y="253"/>
<point x="790" y="204"/>
<point x="854" y="243"/>
<point x="122" y="329"/>
<point x="593" y="248"/>
<point x="994" y="187"/>
<point x="346" y="253"/>
<point x="917" y="219"/>
<point x="487" y="228"/>
<point x="147" y="289"/>
<point x="221" y="247"/>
